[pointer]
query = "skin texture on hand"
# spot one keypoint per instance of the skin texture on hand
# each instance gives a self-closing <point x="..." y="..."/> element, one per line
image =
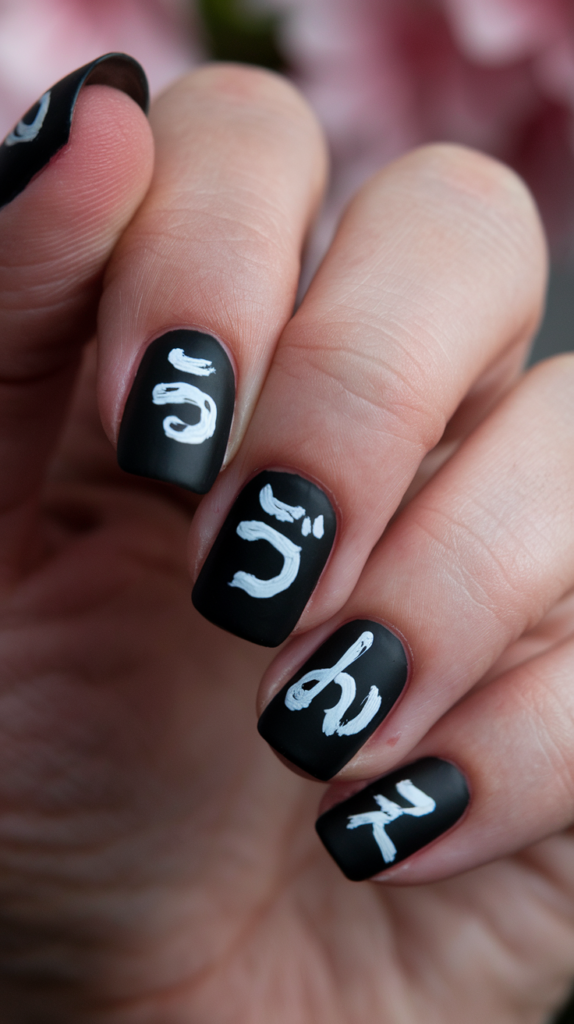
<point x="158" y="864"/>
<point x="147" y="878"/>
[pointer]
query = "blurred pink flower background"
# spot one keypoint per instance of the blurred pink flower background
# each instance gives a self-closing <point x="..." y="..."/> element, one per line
<point x="383" y="75"/>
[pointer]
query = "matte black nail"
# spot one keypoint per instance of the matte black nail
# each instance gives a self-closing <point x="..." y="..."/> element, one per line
<point x="394" y="817"/>
<point x="267" y="558"/>
<point x="45" y="128"/>
<point x="328" y="710"/>
<point x="173" y="429"/>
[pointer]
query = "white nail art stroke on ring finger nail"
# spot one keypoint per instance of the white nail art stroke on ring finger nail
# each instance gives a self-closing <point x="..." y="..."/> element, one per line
<point x="297" y="698"/>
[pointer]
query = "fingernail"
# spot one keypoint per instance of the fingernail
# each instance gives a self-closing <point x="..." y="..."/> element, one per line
<point x="173" y="429"/>
<point x="328" y="710"/>
<point x="259" y="590"/>
<point x="45" y="128"/>
<point x="394" y="817"/>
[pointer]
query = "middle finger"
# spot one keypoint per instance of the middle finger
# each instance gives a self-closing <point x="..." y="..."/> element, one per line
<point x="437" y="272"/>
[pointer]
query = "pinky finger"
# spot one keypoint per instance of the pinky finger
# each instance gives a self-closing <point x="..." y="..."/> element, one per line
<point x="494" y="776"/>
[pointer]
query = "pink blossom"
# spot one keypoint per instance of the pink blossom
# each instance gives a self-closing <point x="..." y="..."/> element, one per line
<point x="42" y="40"/>
<point x="383" y="75"/>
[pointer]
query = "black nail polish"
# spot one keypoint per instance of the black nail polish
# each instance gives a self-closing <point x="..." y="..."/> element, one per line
<point x="178" y="414"/>
<point x="267" y="558"/>
<point x="394" y="817"/>
<point x="328" y="710"/>
<point x="45" y="128"/>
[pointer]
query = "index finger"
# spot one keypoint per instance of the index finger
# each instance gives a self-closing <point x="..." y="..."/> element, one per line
<point x="205" y="278"/>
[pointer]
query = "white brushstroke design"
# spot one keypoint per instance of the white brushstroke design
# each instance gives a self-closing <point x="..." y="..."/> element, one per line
<point x="318" y="527"/>
<point x="28" y="132"/>
<point x="332" y="722"/>
<point x="306" y="526"/>
<point x="180" y="393"/>
<point x="281" y="511"/>
<point x="422" y="804"/>
<point x="189" y="364"/>
<point x="255" y="530"/>
<point x="297" y="697"/>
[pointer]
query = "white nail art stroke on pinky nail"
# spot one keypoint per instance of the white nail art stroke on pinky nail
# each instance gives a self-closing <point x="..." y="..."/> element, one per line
<point x="390" y="811"/>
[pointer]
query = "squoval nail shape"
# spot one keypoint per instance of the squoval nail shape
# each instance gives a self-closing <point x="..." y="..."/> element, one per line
<point x="324" y="715"/>
<point x="267" y="558"/>
<point x="177" y="418"/>
<point x="394" y="817"/>
<point x="45" y="128"/>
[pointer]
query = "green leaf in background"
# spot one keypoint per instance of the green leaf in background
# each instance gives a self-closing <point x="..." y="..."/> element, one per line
<point x="235" y="33"/>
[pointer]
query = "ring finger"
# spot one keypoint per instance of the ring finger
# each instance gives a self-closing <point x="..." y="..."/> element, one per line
<point x="475" y="560"/>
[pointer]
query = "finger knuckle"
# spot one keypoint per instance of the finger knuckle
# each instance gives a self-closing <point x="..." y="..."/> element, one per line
<point x="377" y="381"/>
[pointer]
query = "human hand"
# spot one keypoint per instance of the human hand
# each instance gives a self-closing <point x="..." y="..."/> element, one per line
<point x="158" y="863"/>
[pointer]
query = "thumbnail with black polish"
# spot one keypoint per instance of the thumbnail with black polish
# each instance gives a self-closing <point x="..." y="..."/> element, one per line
<point x="328" y="710"/>
<point x="394" y="817"/>
<point x="267" y="558"/>
<point x="173" y="429"/>
<point x="45" y="129"/>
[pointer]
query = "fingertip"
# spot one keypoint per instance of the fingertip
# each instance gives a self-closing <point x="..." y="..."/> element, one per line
<point x="256" y="96"/>
<point x="105" y="170"/>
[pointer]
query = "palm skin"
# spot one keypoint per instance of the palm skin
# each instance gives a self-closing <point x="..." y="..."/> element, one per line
<point x="159" y="864"/>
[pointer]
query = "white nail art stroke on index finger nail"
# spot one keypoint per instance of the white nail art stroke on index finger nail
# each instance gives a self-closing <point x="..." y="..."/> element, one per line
<point x="180" y="392"/>
<point x="190" y="364"/>
<point x="184" y="449"/>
